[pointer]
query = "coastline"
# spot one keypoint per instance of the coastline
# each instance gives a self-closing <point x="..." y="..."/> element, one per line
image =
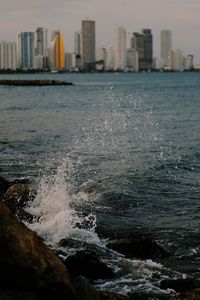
<point x="25" y="254"/>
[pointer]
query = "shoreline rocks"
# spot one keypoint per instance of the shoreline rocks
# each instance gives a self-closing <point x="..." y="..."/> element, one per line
<point x="30" y="270"/>
<point x="89" y="265"/>
<point x="136" y="245"/>
<point x="27" y="264"/>
<point x="16" y="198"/>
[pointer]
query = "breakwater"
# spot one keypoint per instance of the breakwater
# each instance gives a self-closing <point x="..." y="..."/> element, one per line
<point x="34" y="82"/>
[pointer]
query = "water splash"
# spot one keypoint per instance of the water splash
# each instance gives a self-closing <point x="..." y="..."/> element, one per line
<point x="55" y="219"/>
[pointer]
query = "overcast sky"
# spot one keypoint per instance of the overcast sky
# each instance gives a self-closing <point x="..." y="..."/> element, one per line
<point x="180" y="16"/>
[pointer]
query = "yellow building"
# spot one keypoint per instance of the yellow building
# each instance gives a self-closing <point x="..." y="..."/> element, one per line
<point x="57" y="51"/>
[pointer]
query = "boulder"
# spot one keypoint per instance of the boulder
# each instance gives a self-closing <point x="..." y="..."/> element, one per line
<point x="136" y="246"/>
<point x="27" y="265"/>
<point x="192" y="295"/>
<point x="4" y="185"/>
<point x="88" y="264"/>
<point x="16" y="198"/>
<point x="180" y="285"/>
<point x="84" y="290"/>
<point x="112" y="296"/>
<point x="17" y="295"/>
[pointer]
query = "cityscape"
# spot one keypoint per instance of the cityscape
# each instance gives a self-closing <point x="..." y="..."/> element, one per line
<point x="126" y="53"/>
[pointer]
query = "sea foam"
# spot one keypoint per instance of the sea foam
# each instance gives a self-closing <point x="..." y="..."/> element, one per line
<point x="55" y="219"/>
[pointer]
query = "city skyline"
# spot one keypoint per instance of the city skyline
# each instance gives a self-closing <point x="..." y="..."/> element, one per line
<point x="181" y="18"/>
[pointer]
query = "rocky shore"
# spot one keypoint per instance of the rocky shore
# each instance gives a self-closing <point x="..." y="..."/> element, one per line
<point x="30" y="270"/>
<point x="34" y="82"/>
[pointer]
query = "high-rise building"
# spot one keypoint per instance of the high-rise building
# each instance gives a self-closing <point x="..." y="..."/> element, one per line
<point x="77" y="43"/>
<point x="120" y="47"/>
<point x="101" y="54"/>
<point x="132" y="60"/>
<point x="41" y="52"/>
<point x="26" y="50"/>
<point x="143" y="44"/>
<point x="165" y="46"/>
<point x="110" y="58"/>
<point x="88" y="47"/>
<point x="137" y="43"/>
<point x="177" y="60"/>
<point x="41" y="41"/>
<point x="189" y="65"/>
<point x="8" y="56"/>
<point x="148" y="48"/>
<point x="57" y="51"/>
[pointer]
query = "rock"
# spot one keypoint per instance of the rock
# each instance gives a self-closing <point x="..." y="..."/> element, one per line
<point x="136" y="246"/>
<point x="89" y="265"/>
<point x="16" y="198"/>
<point x="27" y="264"/>
<point x="192" y="295"/>
<point x="4" y="185"/>
<point x="180" y="285"/>
<point x="111" y="296"/>
<point x="84" y="291"/>
<point x="21" y="180"/>
<point x="17" y="295"/>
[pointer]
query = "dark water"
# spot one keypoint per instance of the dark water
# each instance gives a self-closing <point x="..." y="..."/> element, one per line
<point x="127" y="146"/>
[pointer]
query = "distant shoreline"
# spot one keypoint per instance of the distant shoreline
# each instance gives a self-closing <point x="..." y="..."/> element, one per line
<point x="8" y="72"/>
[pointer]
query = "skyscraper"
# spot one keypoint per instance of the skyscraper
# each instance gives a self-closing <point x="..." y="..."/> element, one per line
<point x="41" y="41"/>
<point x="8" y="56"/>
<point x="57" y="51"/>
<point x="177" y="60"/>
<point x="120" y="47"/>
<point x="88" y="45"/>
<point x="143" y="44"/>
<point x="165" y="46"/>
<point x="26" y="50"/>
<point x="137" y="43"/>
<point x="77" y="43"/>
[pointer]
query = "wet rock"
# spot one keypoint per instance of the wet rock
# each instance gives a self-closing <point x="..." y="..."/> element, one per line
<point x="88" y="264"/>
<point x="180" y="285"/>
<point x="4" y="185"/>
<point x="27" y="264"/>
<point x="21" y="180"/>
<point x="16" y="198"/>
<point x="112" y="296"/>
<point x="192" y="295"/>
<point x="17" y="295"/>
<point x="136" y="246"/>
<point x="84" y="290"/>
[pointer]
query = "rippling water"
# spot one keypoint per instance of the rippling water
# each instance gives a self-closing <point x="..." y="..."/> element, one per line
<point x="123" y="148"/>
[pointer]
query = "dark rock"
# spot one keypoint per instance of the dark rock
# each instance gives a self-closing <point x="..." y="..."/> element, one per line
<point x="17" y="295"/>
<point x="84" y="290"/>
<point x="16" y="198"/>
<point x="89" y="265"/>
<point x="180" y="285"/>
<point x="27" y="264"/>
<point x="21" y="180"/>
<point x="112" y="296"/>
<point x="136" y="246"/>
<point x="192" y="295"/>
<point x="4" y="185"/>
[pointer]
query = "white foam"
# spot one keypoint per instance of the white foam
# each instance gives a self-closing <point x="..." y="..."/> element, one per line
<point x="55" y="219"/>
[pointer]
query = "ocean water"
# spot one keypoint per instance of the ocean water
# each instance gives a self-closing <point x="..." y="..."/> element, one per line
<point x="124" y="150"/>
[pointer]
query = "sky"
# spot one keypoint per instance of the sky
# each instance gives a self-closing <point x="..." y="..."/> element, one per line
<point x="182" y="17"/>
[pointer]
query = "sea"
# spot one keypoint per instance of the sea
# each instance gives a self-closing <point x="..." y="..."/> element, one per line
<point x="117" y="152"/>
